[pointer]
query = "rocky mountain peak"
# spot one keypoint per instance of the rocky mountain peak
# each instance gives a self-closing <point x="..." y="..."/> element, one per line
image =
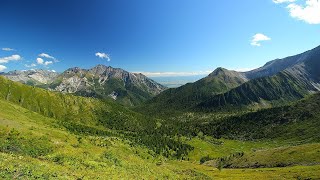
<point x="218" y="71"/>
<point x="99" y="69"/>
<point x="227" y="75"/>
<point x="105" y="81"/>
<point x="73" y="70"/>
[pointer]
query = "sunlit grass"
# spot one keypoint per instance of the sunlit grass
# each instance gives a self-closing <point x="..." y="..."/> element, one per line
<point x="71" y="156"/>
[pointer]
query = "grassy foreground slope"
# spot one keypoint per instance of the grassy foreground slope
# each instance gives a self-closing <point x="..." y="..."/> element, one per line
<point x="33" y="146"/>
<point x="92" y="116"/>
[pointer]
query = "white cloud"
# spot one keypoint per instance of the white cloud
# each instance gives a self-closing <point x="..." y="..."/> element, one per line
<point x="7" y="49"/>
<point x="10" y="58"/>
<point x="310" y="13"/>
<point x="2" y="68"/>
<point x="40" y="60"/>
<point x="174" y="74"/>
<point x="103" y="56"/>
<point x="256" y="39"/>
<point x="31" y="65"/>
<point x="45" y="55"/>
<point x="47" y="63"/>
<point x="283" y="1"/>
<point x="53" y="70"/>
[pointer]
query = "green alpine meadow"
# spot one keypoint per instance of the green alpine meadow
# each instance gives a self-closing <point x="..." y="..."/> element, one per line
<point x="138" y="89"/>
<point x="265" y="128"/>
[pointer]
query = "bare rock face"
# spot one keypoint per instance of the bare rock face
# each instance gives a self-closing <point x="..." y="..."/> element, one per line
<point x="73" y="84"/>
<point x="113" y="95"/>
<point x="107" y="82"/>
<point x="34" y="77"/>
<point x="273" y="67"/>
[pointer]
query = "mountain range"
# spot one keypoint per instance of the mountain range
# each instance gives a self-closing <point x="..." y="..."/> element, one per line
<point x="278" y="81"/>
<point x="32" y="77"/>
<point x="103" y="82"/>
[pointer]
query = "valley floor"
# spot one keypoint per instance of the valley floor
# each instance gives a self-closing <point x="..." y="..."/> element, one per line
<point x="35" y="147"/>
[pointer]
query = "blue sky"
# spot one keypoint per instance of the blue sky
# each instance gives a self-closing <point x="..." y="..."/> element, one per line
<point x="158" y="37"/>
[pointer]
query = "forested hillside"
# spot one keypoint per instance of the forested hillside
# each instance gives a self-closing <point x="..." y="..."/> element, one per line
<point x="299" y="122"/>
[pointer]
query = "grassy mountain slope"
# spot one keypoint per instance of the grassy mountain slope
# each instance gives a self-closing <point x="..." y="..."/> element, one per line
<point x="306" y="154"/>
<point x="51" y="104"/>
<point x="299" y="76"/>
<point x="69" y="108"/>
<point x="33" y="146"/>
<point x="92" y="116"/>
<point x="184" y="97"/>
<point x="280" y="88"/>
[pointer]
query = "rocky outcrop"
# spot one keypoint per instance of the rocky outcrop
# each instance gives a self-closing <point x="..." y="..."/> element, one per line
<point x="34" y="77"/>
<point x="108" y="82"/>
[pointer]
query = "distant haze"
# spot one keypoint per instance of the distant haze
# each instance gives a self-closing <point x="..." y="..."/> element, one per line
<point x="177" y="81"/>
